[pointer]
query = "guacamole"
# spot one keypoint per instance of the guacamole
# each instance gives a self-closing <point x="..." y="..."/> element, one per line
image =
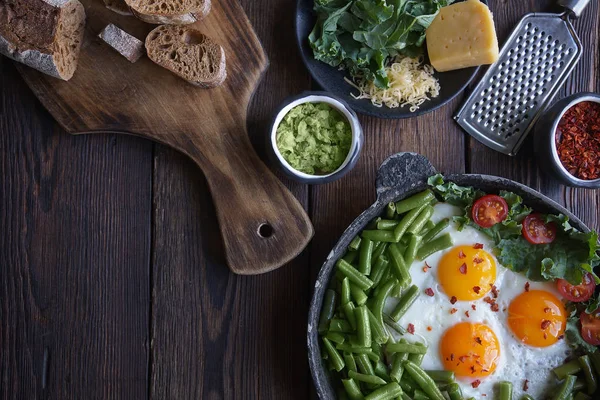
<point x="314" y="138"/>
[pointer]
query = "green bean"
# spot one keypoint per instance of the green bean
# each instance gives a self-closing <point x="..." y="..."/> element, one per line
<point x="406" y="222"/>
<point x="438" y="244"/>
<point x="525" y="397"/>
<point x="570" y="368"/>
<point x="327" y="310"/>
<point x="387" y="224"/>
<point x="373" y="224"/>
<point x="350" y="257"/>
<point x="565" y="389"/>
<point x="398" y="365"/>
<point x="404" y="396"/>
<point x="364" y="258"/>
<point x="335" y="337"/>
<point x="426" y="384"/>
<point x="364" y="364"/>
<point x="348" y="310"/>
<point x="420" y="395"/>
<point x="454" y="391"/>
<point x="393" y="324"/>
<point x="579" y="385"/>
<point x="387" y="392"/>
<point x="414" y="201"/>
<point x="407" y="299"/>
<point x="441" y="376"/>
<point x="398" y="265"/>
<point x="411" y="250"/>
<point x="433" y="232"/>
<point x="336" y="360"/>
<point x="345" y="291"/>
<point x="428" y="226"/>
<point x="373" y="357"/>
<point x="380" y="299"/>
<point x="505" y="391"/>
<point x="420" y="221"/>
<point x="379" y="250"/>
<point x="352" y="348"/>
<point x="398" y="289"/>
<point x="378" y="332"/>
<point x="417" y="358"/>
<point x="363" y="327"/>
<point x="352" y="389"/>
<point x="411" y="348"/>
<point x="580" y="396"/>
<point x="349" y="360"/>
<point x="340" y="325"/>
<point x="390" y="210"/>
<point x="590" y="378"/>
<point x="379" y="269"/>
<point x="354" y="244"/>
<point x="408" y="384"/>
<point x="595" y="358"/>
<point x="366" y="378"/>
<point x="379" y="236"/>
<point x="358" y="295"/>
<point x="381" y="371"/>
<point x="354" y="275"/>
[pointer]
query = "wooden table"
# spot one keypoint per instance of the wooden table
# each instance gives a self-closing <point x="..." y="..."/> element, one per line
<point x="112" y="279"/>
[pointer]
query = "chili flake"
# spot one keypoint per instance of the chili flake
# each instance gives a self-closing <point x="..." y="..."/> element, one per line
<point x="461" y="254"/>
<point x="453" y="299"/>
<point x="578" y="140"/>
<point x="410" y="329"/>
<point x="476" y="383"/>
<point x="463" y="268"/>
<point x="527" y="286"/>
<point x="478" y="246"/>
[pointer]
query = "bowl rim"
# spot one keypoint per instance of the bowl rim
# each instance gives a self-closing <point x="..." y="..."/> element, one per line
<point x="315" y="97"/>
<point x="573" y="100"/>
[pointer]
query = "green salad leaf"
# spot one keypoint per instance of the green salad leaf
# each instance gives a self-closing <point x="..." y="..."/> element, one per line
<point x="360" y="35"/>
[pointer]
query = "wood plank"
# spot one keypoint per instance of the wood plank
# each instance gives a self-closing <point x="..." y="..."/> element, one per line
<point x="524" y="168"/>
<point x="214" y="334"/>
<point x="74" y="256"/>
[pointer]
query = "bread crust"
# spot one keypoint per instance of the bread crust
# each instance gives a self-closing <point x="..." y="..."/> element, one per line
<point x="159" y="17"/>
<point x="127" y="45"/>
<point x="118" y="6"/>
<point x="48" y="41"/>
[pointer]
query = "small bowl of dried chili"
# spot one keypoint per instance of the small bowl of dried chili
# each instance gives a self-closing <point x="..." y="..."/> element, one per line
<point x="567" y="140"/>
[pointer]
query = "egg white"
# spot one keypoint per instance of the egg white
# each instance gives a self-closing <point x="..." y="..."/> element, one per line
<point x="518" y="362"/>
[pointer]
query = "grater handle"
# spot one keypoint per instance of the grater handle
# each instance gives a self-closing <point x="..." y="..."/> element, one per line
<point x="574" y="6"/>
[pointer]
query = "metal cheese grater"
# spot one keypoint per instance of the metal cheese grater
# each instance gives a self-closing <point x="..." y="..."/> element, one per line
<point x="534" y="62"/>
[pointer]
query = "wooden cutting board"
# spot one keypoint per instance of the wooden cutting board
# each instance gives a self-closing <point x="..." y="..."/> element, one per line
<point x="263" y="226"/>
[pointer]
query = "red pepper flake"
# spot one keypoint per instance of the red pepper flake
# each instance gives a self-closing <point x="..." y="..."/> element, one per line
<point x="478" y="340"/>
<point x="547" y="310"/>
<point x="476" y="383"/>
<point x="462" y="359"/>
<point x="578" y="140"/>
<point x="525" y="385"/>
<point x="527" y="286"/>
<point x="429" y="328"/>
<point x="472" y="369"/>
<point x="426" y="267"/>
<point x="463" y="268"/>
<point x="495" y="307"/>
<point x="429" y="292"/>
<point x="545" y="336"/>
<point x="461" y="254"/>
<point x="478" y="260"/>
<point x="453" y="299"/>
<point x="476" y="289"/>
<point x="410" y="329"/>
<point x="467" y="313"/>
<point x="489" y="300"/>
<point x="478" y="246"/>
<point x="474" y="307"/>
<point x="453" y="311"/>
<point x="545" y="324"/>
<point x="561" y="337"/>
<point x="494" y="291"/>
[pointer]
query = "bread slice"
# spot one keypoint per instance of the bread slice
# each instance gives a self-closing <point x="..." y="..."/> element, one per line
<point x="118" y="6"/>
<point x="127" y="45"/>
<point x="43" y="34"/>
<point x="187" y="53"/>
<point x="177" y="12"/>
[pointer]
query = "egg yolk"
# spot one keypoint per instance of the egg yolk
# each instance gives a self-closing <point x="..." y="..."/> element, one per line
<point x="537" y="318"/>
<point x="470" y="350"/>
<point x="467" y="273"/>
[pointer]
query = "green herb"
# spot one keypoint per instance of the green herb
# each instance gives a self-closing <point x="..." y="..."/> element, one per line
<point x="360" y="35"/>
<point x="314" y="138"/>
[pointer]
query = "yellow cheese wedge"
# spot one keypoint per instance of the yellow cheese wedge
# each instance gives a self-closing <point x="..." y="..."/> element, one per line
<point x="462" y="35"/>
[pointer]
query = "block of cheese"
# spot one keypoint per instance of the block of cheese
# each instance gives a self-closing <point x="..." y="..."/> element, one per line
<point x="462" y="35"/>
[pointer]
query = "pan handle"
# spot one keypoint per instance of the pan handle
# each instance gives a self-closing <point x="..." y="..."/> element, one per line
<point x="402" y="173"/>
<point x="575" y="7"/>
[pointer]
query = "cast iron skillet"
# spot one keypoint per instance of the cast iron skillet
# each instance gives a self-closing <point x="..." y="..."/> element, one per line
<point x="399" y="176"/>
<point x="332" y="80"/>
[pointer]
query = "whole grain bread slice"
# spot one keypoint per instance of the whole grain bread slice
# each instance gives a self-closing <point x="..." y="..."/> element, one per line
<point x="178" y="12"/>
<point x="43" y="34"/>
<point x="188" y="53"/>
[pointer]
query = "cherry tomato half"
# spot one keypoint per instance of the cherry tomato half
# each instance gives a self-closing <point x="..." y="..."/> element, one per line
<point x="536" y="231"/>
<point x="590" y="327"/>
<point x="577" y="293"/>
<point x="489" y="210"/>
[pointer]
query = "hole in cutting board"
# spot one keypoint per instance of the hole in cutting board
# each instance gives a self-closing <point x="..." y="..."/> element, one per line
<point x="265" y="231"/>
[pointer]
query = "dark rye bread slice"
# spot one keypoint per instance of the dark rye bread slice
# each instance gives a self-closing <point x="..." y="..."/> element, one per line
<point x="187" y="53"/>
<point x="118" y="6"/>
<point x="43" y="34"/>
<point x="177" y="12"/>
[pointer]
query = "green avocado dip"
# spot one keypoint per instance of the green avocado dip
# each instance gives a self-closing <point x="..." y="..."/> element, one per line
<point x="314" y="138"/>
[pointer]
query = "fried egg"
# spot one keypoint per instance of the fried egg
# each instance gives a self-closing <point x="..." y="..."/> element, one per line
<point x="483" y="321"/>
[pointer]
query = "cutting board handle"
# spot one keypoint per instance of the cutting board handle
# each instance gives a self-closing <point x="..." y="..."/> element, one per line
<point x="262" y="224"/>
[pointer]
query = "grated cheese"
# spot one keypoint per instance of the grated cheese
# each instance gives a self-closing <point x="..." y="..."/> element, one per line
<point x="411" y="84"/>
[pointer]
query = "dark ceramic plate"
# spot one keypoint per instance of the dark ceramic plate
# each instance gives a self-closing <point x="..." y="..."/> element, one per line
<point x="399" y="176"/>
<point x="332" y="80"/>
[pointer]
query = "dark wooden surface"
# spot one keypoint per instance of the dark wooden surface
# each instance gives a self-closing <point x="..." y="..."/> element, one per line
<point x="113" y="283"/>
